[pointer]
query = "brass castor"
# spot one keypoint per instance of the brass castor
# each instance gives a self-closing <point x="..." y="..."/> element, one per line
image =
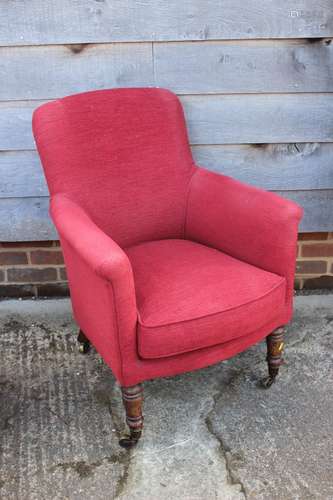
<point x="267" y="382"/>
<point x="84" y="344"/>
<point x="129" y="440"/>
<point x="275" y="346"/>
<point x="84" y="347"/>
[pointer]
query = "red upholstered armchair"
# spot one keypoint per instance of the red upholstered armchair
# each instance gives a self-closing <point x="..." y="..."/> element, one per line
<point x="171" y="267"/>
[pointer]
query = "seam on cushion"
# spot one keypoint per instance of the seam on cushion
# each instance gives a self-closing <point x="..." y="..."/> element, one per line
<point x="163" y="356"/>
<point x="196" y="169"/>
<point x="216" y="313"/>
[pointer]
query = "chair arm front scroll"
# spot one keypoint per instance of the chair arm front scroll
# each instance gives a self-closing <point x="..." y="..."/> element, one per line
<point x="250" y="224"/>
<point x="101" y="284"/>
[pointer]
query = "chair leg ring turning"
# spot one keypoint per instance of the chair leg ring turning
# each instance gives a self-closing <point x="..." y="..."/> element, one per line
<point x="275" y="344"/>
<point x="132" y="399"/>
<point x="84" y="344"/>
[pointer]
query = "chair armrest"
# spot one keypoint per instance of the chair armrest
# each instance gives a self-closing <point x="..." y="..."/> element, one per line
<point x="96" y="248"/>
<point x="101" y="284"/>
<point x="250" y="224"/>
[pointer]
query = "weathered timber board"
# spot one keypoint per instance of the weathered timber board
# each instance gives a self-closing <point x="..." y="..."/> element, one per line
<point x="25" y="219"/>
<point x="185" y="68"/>
<point x="242" y="67"/>
<point x="64" y="21"/>
<point x="28" y="217"/>
<point x="215" y="119"/>
<point x="272" y="166"/>
<point x="69" y="69"/>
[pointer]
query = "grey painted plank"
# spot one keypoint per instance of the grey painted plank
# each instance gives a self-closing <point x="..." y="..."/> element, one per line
<point x="213" y="67"/>
<point x="27" y="219"/>
<point x="15" y="125"/>
<point x="273" y="166"/>
<point x="65" y="70"/>
<point x="65" y="21"/>
<point x="21" y="175"/>
<point x="275" y="118"/>
<point x="182" y="67"/>
<point x="318" y="209"/>
<point x="215" y="119"/>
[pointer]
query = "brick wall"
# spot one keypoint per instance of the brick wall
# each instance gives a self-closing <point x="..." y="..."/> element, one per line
<point x="37" y="269"/>
<point x="32" y="269"/>
<point x="314" y="268"/>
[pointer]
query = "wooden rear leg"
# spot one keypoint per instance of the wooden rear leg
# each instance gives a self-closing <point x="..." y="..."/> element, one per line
<point x="84" y="343"/>
<point x="275" y="343"/>
<point x="132" y="399"/>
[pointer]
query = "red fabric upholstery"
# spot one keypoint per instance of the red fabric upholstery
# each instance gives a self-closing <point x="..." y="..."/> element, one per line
<point x="190" y="296"/>
<point x="126" y="157"/>
<point x="120" y="173"/>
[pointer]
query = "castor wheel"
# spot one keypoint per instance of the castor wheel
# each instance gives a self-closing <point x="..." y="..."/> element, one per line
<point x="84" y="347"/>
<point x="267" y="382"/>
<point x="129" y="440"/>
<point x="84" y="344"/>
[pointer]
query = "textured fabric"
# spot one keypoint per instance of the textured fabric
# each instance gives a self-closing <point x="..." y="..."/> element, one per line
<point x="120" y="173"/>
<point x="190" y="296"/>
<point x="251" y="224"/>
<point x="123" y="155"/>
<point x="101" y="285"/>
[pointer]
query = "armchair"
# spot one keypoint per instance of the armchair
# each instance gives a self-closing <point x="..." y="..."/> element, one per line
<point x="171" y="267"/>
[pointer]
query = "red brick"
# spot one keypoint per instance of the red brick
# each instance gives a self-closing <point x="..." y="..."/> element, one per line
<point x="298" y="284"/>
<point x="31" y="275"/>
<point x="26" y="244"/>
<point x="42" y="257"/>
<point x="2" y="276"/>
<point x="318" y="250"/>
<point x="53" y="290"/>
<point x="312" y="236"/>
<point x="63" y="274"/>
<point x="15" y="291"/>
<point x="311" y="267"/>
<point x="13" y="258"/>
<point x="317" y="283"/>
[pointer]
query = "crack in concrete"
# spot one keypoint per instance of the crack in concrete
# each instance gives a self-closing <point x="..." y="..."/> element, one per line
<point x="85" y="469"/>
<point x="127" y="454"/>
<point x="232" y="479"/>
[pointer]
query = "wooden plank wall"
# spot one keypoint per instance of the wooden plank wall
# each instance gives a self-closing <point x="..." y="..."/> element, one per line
<point x="255" y="78"/>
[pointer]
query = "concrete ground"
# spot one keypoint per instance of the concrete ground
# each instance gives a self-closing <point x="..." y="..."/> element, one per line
<point x="210" y="434"/>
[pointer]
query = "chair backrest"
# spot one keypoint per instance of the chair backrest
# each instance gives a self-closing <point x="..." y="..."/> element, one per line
<point x="123" y="155"/>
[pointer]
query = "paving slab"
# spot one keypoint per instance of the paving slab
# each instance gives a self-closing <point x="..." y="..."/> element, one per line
<point x="209" y="434"/>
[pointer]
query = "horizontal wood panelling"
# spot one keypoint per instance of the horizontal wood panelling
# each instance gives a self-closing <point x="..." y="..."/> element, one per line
<point x="215" y="119"/>
<point x="65" y="21"/>
<point x="68" y="69"/>
<point x="215" y="67"/>
<point x="182" y="67"/>
<point x="21" y="175"/>
<point x="318" y="209"/>
<point x="220" y="119"/>
<point x="272" y="166"/>
<point x="28" y="217"/>
<point x="25" y="219"/>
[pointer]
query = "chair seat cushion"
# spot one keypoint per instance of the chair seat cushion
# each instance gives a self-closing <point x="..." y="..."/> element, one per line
<point x="190" y="296"/>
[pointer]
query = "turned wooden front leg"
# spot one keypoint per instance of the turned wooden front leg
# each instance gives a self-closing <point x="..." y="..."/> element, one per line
<point x="132" y="399"/>
<point x="275" y="344"/>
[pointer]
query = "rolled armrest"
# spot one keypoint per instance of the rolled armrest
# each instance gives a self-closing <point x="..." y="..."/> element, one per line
<point x="250" y="224"/>
<point x="97" y="249"/>
<point x="101" y="284"/>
